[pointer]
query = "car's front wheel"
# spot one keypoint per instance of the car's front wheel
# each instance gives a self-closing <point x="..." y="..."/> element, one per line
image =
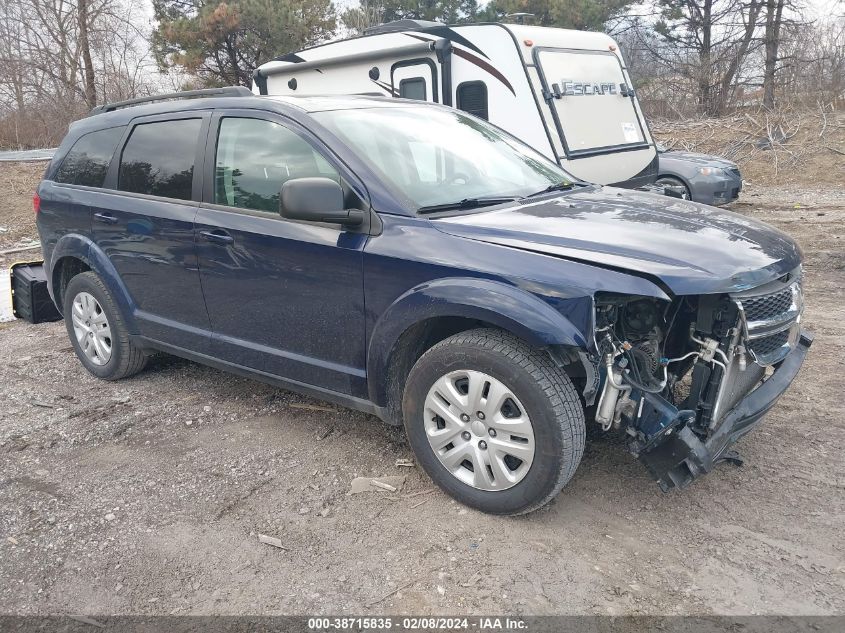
<point x="493" y="421"/>
<point x="677" y="184"/>
<point x="97" y="331"/>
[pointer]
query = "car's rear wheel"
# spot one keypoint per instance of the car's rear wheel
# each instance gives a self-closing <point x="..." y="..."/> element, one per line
<point x="97" y="331"/>
<point x="680" y="185"/>
<point x="493" y="421"/>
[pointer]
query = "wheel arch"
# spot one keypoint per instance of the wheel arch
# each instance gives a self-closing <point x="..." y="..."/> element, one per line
<point x="661" y="173"/>
<point x="74" y="254"/>
<point x="431" y="312"/>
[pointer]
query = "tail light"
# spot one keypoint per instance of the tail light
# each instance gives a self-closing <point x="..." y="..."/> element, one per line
<point x="36" y="203"/>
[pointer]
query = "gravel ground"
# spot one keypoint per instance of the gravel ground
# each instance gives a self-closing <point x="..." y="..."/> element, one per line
<point x="147" y="496"/>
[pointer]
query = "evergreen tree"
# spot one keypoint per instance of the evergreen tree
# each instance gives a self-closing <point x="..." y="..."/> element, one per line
<point x="221" y="43"/>
<point x="570" y="14"/>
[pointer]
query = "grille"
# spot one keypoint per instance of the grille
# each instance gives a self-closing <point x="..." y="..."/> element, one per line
<point x="768" y="344"/>
<point x="771" y="318"/>
<point x="768" y="306"/>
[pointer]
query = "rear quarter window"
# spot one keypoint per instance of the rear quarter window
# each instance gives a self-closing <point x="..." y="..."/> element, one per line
<point x="158" y="159"/>
<point x="88" y="160"/>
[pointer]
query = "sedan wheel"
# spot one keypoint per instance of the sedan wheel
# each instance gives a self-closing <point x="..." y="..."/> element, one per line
<point x="675" y="183"/>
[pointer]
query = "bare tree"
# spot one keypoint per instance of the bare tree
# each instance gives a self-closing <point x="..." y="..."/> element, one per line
<point x="367" y="14"/>
<point x="85" y="50"/>
<point x="59" y="58"/>
<point x="708" y="42"/>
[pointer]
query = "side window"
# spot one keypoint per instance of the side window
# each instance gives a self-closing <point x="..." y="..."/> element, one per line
<point x="413" y="89"/>
<point x="255" y="158"/>
<point x="472" y="98"/>
<point x="158" y="159"/>
<point x="88" y="160"/>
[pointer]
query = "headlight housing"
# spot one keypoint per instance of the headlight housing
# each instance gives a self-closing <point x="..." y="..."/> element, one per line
<point x="709" y="171"/>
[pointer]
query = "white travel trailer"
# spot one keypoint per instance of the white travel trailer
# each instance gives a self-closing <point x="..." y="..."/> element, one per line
<point x="565" y="93"/>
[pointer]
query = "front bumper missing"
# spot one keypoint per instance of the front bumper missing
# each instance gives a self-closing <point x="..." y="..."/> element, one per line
<point x="682" y="456"/>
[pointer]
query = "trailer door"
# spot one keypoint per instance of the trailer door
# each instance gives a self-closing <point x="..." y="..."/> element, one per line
<point x="415" y="79"/>
<point x="591" y="100"/>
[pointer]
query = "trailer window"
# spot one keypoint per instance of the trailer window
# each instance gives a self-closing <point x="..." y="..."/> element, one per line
<point x="158" y="159"/>
<point x="472" y="98"/>
<point x="88" y="160"/>
<point x="592" y="108"/>
<point x="413" y="88"/>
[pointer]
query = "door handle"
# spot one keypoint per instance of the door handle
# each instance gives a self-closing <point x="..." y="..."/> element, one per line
<point x="217" y="237"/>
<point x="105" y="218"/>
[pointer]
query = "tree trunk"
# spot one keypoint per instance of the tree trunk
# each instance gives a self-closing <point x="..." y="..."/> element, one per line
<point x="726" y="84"/>
<point x="774" y="19"/>
<point x="705" y="58"/>
<point x="85" y="47"/>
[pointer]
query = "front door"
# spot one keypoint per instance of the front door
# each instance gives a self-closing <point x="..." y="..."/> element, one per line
<point x="146" y="230"/>
<point x="284" y="297"/>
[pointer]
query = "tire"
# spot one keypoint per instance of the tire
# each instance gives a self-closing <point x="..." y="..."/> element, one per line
<point x="123" y="358"/>
<point x="540" y="390"/>
<point x="671" y="181"/>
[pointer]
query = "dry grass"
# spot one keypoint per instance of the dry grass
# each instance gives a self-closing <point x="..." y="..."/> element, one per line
<point x="17" y="184"/>
<point x="800" y="147"/>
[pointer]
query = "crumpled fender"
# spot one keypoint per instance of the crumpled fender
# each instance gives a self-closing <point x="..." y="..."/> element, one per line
<point x="505" y="306"/>
<point x="82" y="248"/>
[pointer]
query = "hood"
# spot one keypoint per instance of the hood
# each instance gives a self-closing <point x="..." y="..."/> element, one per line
<point x="705" y="160"/>
<point x="691" y="248"/>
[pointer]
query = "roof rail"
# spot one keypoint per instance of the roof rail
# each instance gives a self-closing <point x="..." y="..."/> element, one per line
<point x="229" y="91"/>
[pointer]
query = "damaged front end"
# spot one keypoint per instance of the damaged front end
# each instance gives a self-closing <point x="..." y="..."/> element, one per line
<point x="685" y="379"/>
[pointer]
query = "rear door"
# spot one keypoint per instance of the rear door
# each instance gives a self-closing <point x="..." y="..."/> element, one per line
<point x="415" y="79"/>
<point x="146" y="227"/>
<point x="592" y="103"/>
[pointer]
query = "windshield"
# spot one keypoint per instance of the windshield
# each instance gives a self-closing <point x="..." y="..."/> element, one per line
<point x="439" y="157"/>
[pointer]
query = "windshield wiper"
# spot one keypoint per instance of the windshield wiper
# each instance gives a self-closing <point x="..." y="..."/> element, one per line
<point x="558" y="186"/>
<point x="468" y="203"/>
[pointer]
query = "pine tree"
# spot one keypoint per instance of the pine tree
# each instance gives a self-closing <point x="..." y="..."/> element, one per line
<point x="221" y="43"/>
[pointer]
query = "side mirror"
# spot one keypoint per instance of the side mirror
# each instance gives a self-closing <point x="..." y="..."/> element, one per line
<point x="316" y="200"/>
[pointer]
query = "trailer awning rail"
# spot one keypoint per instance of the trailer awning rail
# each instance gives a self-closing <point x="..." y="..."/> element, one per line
<point x="401" y="51"/>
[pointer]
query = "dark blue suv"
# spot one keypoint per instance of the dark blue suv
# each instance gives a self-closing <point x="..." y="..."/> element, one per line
<point x="419" y="264"/>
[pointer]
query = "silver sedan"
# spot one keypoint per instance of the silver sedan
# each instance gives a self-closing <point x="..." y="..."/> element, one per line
<point x="699" y="177"/>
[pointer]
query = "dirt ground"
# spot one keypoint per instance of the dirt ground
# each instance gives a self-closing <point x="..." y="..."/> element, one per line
<point x="147" y="496"/>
